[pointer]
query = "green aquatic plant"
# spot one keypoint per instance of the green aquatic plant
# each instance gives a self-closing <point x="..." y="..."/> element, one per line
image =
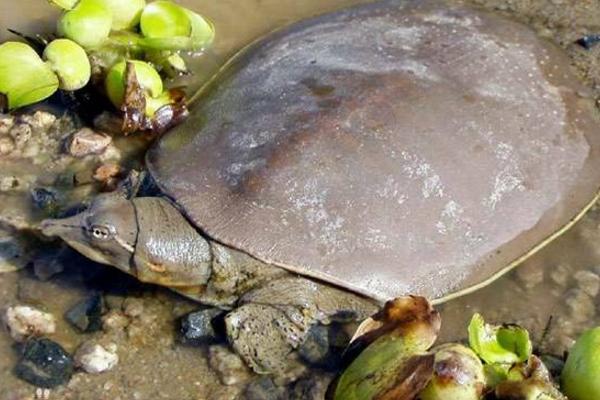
<point x="580" y="378"/>
<point x="164" y="19"/>
<point x="24" y="77"/>
<point x="168" y="26"/>
<point x="529" y="380"/>
<point x="126" y="14"/>
<point x="457" y="374"/>
<point x="148" y="78"/>
<point x="169" y="63"/>
<point x="503" y="344"/>
<point x="70" y="63"/>
<point x="395" y="363"/>
<point x="136" y="89"/>
<point x="88" y="23"/>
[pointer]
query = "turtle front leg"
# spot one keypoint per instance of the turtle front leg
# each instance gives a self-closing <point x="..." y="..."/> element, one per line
<point x="272" y="321"/>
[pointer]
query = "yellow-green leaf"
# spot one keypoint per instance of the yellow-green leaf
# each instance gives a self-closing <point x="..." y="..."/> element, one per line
<point x="24" y="77"/>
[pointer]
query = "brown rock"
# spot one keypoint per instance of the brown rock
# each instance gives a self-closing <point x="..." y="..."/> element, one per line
<point x="7" y="145"/>
<point x="86" y="141"/>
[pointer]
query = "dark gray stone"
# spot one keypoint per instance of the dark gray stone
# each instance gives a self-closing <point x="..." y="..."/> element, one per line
<point x="87" y="314"/>
<point x="264" y="389"/>
<point x="45" y="199"/>
<point x="324" y="345"/>
<point x="202" y="326"/>
<point x="554" y="364"/>
<point x="44" y="363"/>
<point x="310" y="388"/>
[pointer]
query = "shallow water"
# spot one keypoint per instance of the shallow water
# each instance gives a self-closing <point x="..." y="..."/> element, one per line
<point x="546" y="288"/>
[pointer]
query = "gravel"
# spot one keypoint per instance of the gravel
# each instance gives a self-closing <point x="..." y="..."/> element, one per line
<point x="588" y="281"/>
<point x="94" y="358"/>
<point x="229" y="366"/>
<point x="24" y="322"/>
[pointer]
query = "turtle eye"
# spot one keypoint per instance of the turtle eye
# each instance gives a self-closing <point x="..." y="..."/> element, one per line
<point x="100" y="232"/>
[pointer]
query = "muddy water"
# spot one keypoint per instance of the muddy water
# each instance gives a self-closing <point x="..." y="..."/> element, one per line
<point x="556" y="291"/>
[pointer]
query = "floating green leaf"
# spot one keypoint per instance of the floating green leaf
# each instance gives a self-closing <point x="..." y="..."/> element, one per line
<point x="581" y="376"/>
<point x="506" y="344"/>
<point x="126" y="14"/>
<point x="24" y="77"/>
<point x="88" y="24"/>
<point x="165" y="19"/>
<point x="70" y="63"/>
<point x="167" y="26"/>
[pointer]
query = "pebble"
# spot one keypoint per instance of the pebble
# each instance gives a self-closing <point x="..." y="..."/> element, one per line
<point x="230" y="368"/>
<point x="87" y="314"/>
<point x="133" y="307"/>
<point x="6" y="122"/>
<point x="560" y="274"/>
<point x="21" y="133"/>
<point x="111" y="154"/>
<point x="31" y="150"/>
<point x="24" y="322"/>
<point x="315" y="348"/>
<point x="554" y="364"/>
<point x="114" y="321"/>
<point x="14" y="253"/>
<point x="588" y="281"/>
<point x="198" y="327"/>
<point x="264" y="389"/>
<point x="106" y="172"/>
<point x="530" y="275"/>
<point x="8" y="183"/>
<point x="324" y="345"/>
<point x="7" y="145"/>
<point x="311" y="388"/>
<point x="44" y="199"/>
<point x="87" y="141"/>
<point x="94" y="358"/>
<point x="580" y="304"/>
<point x="39" y="120"/>
<point x="44" y="363"/>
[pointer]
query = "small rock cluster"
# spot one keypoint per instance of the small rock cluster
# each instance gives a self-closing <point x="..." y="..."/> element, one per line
<point x="44" y="362"/>
<point x="23" y="136"/>
<point x="578" y="291"/>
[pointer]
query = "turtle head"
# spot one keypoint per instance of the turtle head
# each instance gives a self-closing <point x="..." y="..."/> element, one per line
<point x="106" y="232"/>
<point x="145" y="237"/>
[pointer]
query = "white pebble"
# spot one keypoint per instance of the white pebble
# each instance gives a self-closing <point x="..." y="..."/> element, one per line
<point x="24" y="322"/>
<point x="94" y="358"/>
<point x="588" y="281"/>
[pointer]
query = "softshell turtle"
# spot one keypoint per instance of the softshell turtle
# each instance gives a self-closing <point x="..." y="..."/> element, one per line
<point x="398" y="147"/>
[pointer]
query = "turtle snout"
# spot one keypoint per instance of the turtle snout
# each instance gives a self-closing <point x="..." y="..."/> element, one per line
<point x="63" y="228"/>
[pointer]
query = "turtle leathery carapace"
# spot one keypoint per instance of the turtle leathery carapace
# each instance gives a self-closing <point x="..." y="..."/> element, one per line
<point x="391" y="148"/>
